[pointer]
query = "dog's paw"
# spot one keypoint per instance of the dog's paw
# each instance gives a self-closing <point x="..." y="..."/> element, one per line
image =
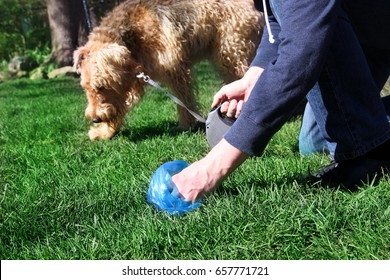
<point x="101" y="131"/>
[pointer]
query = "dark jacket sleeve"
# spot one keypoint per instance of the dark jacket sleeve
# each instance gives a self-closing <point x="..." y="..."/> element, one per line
<point x="267" y="52"/>
<point x="306" y="32"/>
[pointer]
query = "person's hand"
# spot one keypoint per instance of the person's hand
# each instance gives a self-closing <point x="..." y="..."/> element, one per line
<point x="203" y="176"/>
<point x="234" y="95"/>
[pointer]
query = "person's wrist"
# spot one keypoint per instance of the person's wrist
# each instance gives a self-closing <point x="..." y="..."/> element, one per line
<point x="225" y="158"/>
<point x="250" y="78"/>
<point x="253" y="74"/>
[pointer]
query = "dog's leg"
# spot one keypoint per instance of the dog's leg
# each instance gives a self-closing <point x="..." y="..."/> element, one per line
<point x="231" y="55"/>
<point x="183" y="87"/>
<point x="229" y="69"/>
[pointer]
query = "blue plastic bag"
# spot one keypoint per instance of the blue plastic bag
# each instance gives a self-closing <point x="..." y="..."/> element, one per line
<point x="163" y="193"/>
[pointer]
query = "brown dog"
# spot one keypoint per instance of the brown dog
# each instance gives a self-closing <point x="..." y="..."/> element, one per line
<point x="163" y="39"/>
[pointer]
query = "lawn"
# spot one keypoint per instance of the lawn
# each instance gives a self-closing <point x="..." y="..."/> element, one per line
<point x="65" y="197"/>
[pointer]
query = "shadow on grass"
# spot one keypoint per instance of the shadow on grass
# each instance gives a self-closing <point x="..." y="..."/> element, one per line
<point x="313" y="184"/>
<point x="305" y="185"/>
<point x="169" y="128"/>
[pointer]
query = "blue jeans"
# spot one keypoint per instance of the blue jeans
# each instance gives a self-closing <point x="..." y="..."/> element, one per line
<point x="311" y="140"/>
<point x="345" y="115"/>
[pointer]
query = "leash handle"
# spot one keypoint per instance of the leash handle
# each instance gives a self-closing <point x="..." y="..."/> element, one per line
<point x="148" y="80"/>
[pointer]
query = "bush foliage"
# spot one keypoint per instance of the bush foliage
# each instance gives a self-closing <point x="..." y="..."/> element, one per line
<point x="23" y="26"/>
<point x="25" y="29"/>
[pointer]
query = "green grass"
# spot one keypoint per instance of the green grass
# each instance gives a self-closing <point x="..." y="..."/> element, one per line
<point x="65" y="197"/>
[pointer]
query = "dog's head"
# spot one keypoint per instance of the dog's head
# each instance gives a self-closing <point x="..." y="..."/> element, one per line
<point x="108" y="76"/>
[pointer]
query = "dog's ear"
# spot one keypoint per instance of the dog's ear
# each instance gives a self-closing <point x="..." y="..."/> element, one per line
<point x="114" y="63"/>
<point x="78" y="57"/>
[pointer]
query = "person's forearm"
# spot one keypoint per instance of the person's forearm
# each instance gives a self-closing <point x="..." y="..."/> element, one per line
<point x="203" y="176"/>
<point x="225" y="158"/>
<point x="251" y="76"/>
<point x="305" y="41"/>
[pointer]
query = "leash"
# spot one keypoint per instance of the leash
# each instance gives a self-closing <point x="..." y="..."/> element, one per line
<point x="148" y="80"/>
<point x="87" y="16"/>
<point x="141" y="75"/>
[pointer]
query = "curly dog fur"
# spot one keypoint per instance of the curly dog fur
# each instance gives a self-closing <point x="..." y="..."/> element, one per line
<point x="163" y="39"/>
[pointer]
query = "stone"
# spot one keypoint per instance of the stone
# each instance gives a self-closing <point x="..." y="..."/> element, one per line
<point x="62" y="72"/>
<point x="21" y="63"/>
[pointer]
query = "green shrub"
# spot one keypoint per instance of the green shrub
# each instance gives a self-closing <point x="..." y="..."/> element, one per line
<point x="23" y="26"/>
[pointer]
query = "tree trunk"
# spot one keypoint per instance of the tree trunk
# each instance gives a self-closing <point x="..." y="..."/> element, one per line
<point x="68" y="29"/>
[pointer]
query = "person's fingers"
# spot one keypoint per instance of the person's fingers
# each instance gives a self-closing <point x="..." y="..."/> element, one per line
<point x="239" y="108"/>
<point x="195" y="196"/>
<point x="187" y="186"/>
<point x="224" y="107"/>
<point x="231" y="112"/>
<point x="183" y="192"/>
<point x="218" y="98"/>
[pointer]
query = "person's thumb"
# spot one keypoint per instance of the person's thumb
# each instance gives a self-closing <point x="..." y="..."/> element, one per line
<point x="219" y="97"/>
